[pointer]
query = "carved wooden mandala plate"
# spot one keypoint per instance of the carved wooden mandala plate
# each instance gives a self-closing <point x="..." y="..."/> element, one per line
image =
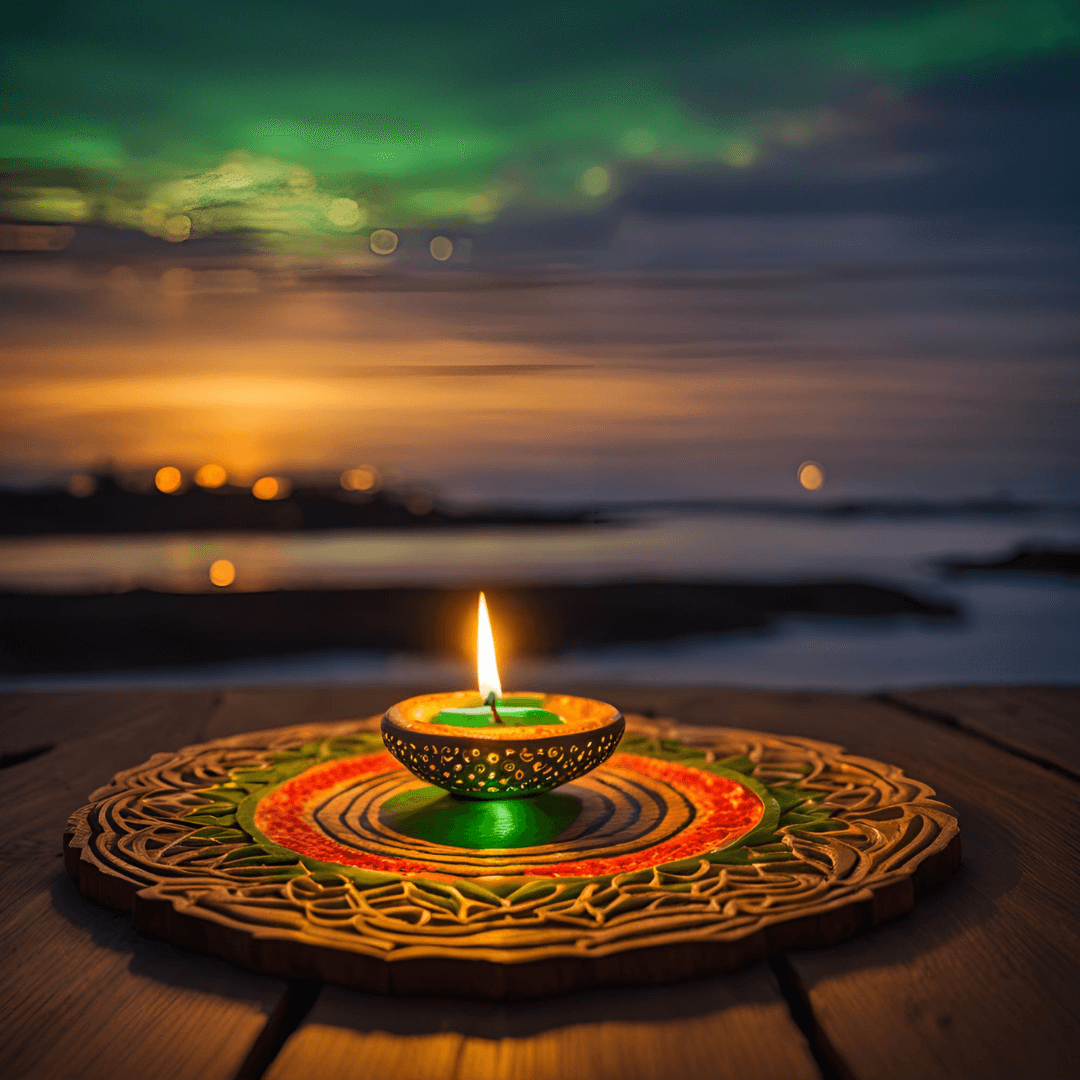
<point x="309" y="852"/>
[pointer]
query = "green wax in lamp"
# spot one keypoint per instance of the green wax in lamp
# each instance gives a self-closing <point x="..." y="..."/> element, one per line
<point x="521" y="711"/>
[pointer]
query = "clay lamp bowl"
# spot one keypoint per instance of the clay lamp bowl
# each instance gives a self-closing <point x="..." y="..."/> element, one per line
<point x="453" y="741"/>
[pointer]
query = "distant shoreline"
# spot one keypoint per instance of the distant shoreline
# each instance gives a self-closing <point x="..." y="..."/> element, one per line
<point x="115" y="510"/>
<point x="51" y="632"/>
<point x="1064" y="562"/>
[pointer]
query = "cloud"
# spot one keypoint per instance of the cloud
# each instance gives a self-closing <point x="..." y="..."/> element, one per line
<point x="435" y="114"/>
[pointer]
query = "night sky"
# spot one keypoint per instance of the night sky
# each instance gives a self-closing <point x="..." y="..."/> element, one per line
<point x="316" y="123"/>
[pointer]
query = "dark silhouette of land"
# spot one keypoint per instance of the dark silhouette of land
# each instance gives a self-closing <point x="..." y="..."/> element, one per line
<point x="115" y="508"/>
<point x="111" y="508"/>
<point x="1024" y="560"/>
<point x="97" y="632"/>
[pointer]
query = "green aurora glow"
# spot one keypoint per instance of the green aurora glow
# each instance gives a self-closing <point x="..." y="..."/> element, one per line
<point x="309" y="123"/>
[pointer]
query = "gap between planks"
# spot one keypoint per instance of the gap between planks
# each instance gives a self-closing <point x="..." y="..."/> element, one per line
<point x="956" y="722"/>
<point x="301" y="998"/>
<point x="261" y="713"/>
<point x="297" y="1001"/>
<point x="829" y="1060"/>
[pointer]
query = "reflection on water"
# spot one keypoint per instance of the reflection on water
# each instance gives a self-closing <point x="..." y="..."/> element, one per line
<point x="1013" y="629"/>
<point x="222" y="573"/>
<point x="927" y="379"/>
<point x="1015" y="632"/>
<point x="705" y="546"/>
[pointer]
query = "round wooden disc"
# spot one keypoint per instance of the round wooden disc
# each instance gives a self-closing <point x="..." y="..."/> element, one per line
<point x="308" y="852"/>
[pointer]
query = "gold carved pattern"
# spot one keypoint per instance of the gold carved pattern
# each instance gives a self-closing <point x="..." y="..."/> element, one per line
<point x="622" y="811"/>
<point x="132" y="848"/>
<point x="458" y="765"/>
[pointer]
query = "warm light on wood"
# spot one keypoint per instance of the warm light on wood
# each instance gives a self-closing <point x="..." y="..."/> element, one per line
<point x="487" y="670"/>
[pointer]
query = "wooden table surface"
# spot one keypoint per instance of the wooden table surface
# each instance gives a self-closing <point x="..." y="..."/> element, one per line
<point x="981" y="980"/>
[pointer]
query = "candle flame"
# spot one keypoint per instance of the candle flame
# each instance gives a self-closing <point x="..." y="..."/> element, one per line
<point x="487" y="670"/>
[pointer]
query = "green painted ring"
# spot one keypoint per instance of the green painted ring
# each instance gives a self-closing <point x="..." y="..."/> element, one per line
<point x="477" y="768"/>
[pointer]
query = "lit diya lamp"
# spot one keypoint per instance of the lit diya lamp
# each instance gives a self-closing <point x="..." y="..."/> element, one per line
<point x="484" y="744"/>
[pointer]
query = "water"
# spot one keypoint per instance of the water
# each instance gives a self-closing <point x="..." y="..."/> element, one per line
<point x="659" y="546"/>
<point x="943" y="368"/>
<point x="1014" y="628"/>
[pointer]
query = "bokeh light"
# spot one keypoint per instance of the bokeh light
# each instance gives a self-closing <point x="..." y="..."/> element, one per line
<point x="177" y="228"/>
<point x="345" y="214"/>
<point x="361" y="479"/>
<point x="383" y="242"/>
<point x="271" y="487"/>
<point x="211" y="476"/>
<point x="740" y="154"/>
<point x="811" y="475"/>
<point x="47" y="204"/>
<point x="595" y="182"/>
<point x="81" y="485"/>
<point x="481" y="208"/>
<point x="266" y="487"/>
<point x="441" y="247"/>
<point x="639" y="142"/>
<point x="222" y="573"/>
<point x="168" y="479"/>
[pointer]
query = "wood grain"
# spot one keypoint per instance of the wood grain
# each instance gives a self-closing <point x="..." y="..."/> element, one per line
<point x="738" y="1026"/>
<point x="983" y="978"/>
<point x="32" y="719"/>
<point x="96" y="737"/>
<point x="80" y="993"/>
<point x="251" y="709"/>
<point x="1042" y="722"/>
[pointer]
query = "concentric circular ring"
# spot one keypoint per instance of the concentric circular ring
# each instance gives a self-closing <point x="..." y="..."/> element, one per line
<point x="630" y="813"/>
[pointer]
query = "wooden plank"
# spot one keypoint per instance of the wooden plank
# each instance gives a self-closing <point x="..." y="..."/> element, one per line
<point x="80" y="993"/>
<point x="983" y="978"/>
<point x="37" y="796"/>
<point x="732" y="1027"/>
<point x="34" y="719"/>
<point x="254" y="709"/>
<point x="1041" y="722"/>
<point x="639" y="1033"/>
